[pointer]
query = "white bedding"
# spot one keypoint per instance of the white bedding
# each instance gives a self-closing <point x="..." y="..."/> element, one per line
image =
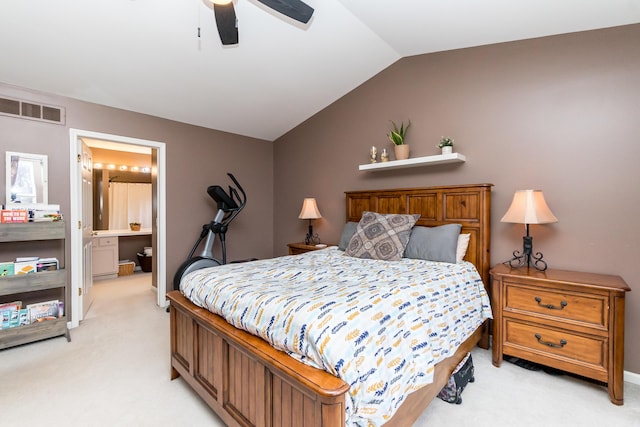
<point x="380" y="326"/>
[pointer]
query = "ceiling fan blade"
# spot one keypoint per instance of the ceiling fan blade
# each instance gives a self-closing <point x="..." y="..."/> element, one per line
<point x="294" y="9"/>
<point x="226" y="22"/>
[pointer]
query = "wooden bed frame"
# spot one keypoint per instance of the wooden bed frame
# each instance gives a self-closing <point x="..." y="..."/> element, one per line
<point x="249" y="383"/>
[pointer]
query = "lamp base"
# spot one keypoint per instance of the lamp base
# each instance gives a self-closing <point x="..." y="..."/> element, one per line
<point x="311" y="238"/>
<point x="525" y="259"/>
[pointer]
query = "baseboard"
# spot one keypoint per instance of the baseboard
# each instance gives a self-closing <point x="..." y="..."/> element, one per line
<point x="632" y="377"/>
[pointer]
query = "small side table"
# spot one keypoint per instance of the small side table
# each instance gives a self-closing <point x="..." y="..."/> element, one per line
<point x="567" y="320"/>
<point x="301" y="247"/>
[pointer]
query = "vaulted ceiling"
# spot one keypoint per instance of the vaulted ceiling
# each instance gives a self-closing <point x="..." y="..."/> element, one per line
<point x="146" y="55"/>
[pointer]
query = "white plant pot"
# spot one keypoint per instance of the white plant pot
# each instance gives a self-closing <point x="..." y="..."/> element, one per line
<point x="447" y="149"/>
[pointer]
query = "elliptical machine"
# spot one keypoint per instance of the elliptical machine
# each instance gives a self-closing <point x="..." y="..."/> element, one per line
<point x="229" y="206"/>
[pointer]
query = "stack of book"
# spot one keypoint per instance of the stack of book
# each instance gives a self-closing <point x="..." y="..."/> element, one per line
<point x="27" y="265"/>
<point x="13" y="314"/>
<point x="30" y="212"/>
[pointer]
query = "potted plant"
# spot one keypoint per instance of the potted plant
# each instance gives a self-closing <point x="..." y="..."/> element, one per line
<point x="397" y="136"/>
<point x="446" y="145"/>
<point x="135" y="226"/>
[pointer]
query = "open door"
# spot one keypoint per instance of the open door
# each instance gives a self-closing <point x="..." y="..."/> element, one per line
<point x="86" y="297"/>
<point x="81" y="218"/>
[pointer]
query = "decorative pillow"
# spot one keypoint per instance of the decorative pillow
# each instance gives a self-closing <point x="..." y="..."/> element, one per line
<point x="434" y="243"/>
<point x="463" y="244"/>
<point x="347" y="233"/>
<point x="382" y="237"/>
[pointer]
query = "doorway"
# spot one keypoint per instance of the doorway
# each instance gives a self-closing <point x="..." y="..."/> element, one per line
<point x="79" y="201"/>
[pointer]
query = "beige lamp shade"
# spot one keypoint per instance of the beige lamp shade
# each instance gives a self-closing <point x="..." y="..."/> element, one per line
<point x="529" y="207"/>
<point x="309" y="209"/>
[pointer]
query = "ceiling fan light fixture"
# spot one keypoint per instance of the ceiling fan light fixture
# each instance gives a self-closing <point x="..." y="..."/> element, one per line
<point x="227" y="23"/>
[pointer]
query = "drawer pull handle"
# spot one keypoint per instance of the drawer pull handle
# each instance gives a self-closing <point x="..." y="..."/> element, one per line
<point x="550" y="344"/>
<point x="563" y="304"/>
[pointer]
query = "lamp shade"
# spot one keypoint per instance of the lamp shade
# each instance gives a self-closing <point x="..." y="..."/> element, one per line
<point x="529" y="207"/>
<point x="309" y="209"/>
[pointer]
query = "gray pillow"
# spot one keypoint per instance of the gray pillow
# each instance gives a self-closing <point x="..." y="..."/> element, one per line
<point x="347" y="233"/>
<point x="434" y="243"/>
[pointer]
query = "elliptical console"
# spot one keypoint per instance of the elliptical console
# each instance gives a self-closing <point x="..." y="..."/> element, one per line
<point x="229" y="206"/>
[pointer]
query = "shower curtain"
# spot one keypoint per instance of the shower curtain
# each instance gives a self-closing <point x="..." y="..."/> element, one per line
<point x="129" y="203"/>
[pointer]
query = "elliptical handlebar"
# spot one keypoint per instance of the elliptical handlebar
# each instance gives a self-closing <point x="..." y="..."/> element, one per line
<point x="228" y="208"/>
<point x="243" y="200"/>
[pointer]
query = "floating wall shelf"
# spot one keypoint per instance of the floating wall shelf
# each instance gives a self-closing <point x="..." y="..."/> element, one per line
<point x="439" y="159"/>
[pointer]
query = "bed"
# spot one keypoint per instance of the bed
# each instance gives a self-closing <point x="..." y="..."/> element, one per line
<point x="247" y="382"/>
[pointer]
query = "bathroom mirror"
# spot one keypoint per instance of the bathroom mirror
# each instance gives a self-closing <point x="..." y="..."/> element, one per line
<point x="26" y="180"/>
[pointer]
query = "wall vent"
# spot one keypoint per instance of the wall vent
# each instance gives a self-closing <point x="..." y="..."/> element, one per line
<point x="32" y="111"/>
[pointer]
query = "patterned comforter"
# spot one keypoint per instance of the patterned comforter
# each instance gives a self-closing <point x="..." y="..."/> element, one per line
<point x="380" y="326"/>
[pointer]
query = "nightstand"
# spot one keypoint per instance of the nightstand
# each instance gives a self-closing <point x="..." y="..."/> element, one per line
<point x="300" y="248"/>
<point x="567" y="320"/>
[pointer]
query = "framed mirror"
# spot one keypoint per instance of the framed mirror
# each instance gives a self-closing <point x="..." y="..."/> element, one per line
<point x="27" y="179"/>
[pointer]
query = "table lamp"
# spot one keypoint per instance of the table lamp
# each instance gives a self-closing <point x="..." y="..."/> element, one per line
<point x="310" y="211"/>
<point x="528" y="207"/>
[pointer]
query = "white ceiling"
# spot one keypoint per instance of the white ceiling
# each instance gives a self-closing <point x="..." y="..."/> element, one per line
<point x="145" y="55"/>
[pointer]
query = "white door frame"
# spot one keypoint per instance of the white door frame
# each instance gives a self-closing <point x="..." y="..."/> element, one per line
<point x="76" y="216"/>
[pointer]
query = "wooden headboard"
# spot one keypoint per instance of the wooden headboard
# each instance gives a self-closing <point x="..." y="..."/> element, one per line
<point x="469" y="205"/>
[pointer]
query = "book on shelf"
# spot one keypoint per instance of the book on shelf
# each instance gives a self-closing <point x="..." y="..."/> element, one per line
<point x="27" y="258"/>
<point x="48" y="217"/>
<point x="25" y="267"/>
<point x="7" y="268"/>
<point x="10" y="314"/>
<point x="47" y="264"/>
<point x="9" y="216"/>
<point x="47" y="310"/>
<point x="15" y="305"/>
<point x="14" y="318"/>
<point x="5" y="317"/>
<point x="23" y="317"/>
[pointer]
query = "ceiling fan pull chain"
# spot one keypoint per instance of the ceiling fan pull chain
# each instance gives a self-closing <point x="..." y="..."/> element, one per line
<point x="198" y="22"/>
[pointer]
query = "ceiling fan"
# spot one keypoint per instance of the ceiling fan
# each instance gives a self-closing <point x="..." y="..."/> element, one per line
<point x="227" y="23"/>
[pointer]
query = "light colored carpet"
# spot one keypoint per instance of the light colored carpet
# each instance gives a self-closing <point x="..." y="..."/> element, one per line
<point x="115" y="372"/>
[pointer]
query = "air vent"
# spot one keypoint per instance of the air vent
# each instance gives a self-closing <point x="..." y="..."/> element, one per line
<point x="32" y="111"/>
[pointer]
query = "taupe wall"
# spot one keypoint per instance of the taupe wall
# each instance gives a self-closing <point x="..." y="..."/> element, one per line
<point x="196" y="158"/>
<point x="560" y="114"/>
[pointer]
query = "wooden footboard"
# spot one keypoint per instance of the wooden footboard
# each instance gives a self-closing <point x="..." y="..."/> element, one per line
<point x="249" y="383"/>
<point x="245" y="380"/>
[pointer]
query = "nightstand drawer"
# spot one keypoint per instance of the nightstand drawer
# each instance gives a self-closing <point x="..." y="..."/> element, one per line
<point x="561" y="344"/>
<point x="591" y="309"/>
<point x="568" y="320"/>
<point x="297" y="251"/>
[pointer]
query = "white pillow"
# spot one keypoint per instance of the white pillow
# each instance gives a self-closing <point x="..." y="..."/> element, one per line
<point x="463" y="244"/>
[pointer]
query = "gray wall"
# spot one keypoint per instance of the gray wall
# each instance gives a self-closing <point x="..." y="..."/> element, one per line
<point x="196" y="158"/>
<point x="560" y="114"/>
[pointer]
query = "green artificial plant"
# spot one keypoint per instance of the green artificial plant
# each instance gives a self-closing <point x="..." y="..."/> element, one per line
<point x="445" y="141"/>
<point x="397" y="135"/>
